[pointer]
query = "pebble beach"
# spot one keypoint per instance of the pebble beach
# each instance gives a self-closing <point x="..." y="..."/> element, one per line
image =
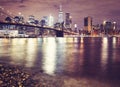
<point x="16" y="76"/>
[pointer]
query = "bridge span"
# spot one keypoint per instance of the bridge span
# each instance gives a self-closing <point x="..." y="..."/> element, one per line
<point x="59" y="32"/>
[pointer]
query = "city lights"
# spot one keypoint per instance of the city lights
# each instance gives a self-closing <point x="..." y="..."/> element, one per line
<point x="104" y="22"/>
<point x="59" y="43"/>
<point x="75" y="25"/>
<point x="64" y="20"/>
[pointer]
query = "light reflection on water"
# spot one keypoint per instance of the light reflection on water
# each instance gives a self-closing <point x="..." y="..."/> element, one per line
<point x="85" y="56"/>
<point x="104" y="53"/>
<point x="49" y="56"/>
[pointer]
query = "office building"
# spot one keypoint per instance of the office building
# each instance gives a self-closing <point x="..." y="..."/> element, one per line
<point x="51" y="21"/>
<point x="31" y="19"/>
<point x="109" y="27"/>
<point x="46" y="19"/>
<point x="60" y="15"/>
<point x="68" y="20"/>
<point x="88" y="24"/>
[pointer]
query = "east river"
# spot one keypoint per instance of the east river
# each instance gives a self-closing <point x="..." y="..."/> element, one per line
<point x="83" y="57"/>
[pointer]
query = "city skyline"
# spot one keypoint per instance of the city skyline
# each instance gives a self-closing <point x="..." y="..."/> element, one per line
<point x="99" y="11"/>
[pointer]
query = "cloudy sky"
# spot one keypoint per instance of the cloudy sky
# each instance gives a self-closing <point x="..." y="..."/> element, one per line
<point x="99" y="10"/>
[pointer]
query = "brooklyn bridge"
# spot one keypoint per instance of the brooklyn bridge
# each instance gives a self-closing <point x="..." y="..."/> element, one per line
<point x="9" y="28"/>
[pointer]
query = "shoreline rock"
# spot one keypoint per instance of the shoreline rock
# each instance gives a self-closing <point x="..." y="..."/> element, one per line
<point x="16" y="76"/>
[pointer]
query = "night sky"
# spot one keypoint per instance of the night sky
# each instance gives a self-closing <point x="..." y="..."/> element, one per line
<point x="99" y="10"/>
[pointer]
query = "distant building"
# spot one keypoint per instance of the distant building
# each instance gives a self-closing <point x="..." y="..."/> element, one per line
<point x="109" y="27"/>
<point x="51" y="21"/>
<point x="68" y="20"/>
<point x="76" y="28"/>
<point x="60" y="15"/>
<point x="32" y="32"/>
<point x="31" y="19"/>
<point x="46" y="19"/>
<point x="96" y="27"/>
<point x="88" y="24"/>
<point x="8" y="33"/>
<point x="18" y="19"/>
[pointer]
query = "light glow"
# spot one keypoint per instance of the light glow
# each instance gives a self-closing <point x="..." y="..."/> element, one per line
<point x="49" y="60"/>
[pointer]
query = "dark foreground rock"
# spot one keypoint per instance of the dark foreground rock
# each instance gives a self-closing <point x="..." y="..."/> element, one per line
<point x="15" y="76"/>
<point x="11" y="76"/>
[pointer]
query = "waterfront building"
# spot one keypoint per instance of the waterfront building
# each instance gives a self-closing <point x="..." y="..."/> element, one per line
<point x="8" y="33"/>
<point x="32" y="32"/>
<point x="88" y="24"/>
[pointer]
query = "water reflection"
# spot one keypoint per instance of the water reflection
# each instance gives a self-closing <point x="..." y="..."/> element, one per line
<point x="104" y="53"/>
<point x="85" y="56"/>
<point x="49" y="55"/>
<point x="31" y="52"/>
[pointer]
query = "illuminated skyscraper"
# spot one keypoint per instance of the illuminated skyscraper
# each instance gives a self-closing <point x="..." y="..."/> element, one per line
<point x="51" y="21"/>
<point x="88" y="23"/>
<point x="60" y="16"/>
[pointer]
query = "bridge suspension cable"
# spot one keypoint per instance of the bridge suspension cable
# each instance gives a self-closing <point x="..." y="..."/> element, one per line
<point x="5" y="13"/>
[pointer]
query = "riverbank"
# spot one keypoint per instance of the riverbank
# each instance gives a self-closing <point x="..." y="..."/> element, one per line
<point x="16" y="76"/>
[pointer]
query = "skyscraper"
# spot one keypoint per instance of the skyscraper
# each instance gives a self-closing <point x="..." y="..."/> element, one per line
<point x="88" y="23"/>
<point x="68" y="20"/>
<point x="50" y="21"/>
<point x="60" y="16"/>
<point x="46" y="18"/>
<point x="109" y="27"/>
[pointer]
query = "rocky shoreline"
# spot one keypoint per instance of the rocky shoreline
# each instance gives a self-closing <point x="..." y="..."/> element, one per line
<point x="16" y="76"/>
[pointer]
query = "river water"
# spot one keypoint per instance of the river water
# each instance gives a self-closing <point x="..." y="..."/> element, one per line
<point x="90" y="57"/>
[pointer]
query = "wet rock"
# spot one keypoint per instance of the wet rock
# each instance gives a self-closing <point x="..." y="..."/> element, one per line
<point x="15" y="76"/>
<point x="11" y="76"/>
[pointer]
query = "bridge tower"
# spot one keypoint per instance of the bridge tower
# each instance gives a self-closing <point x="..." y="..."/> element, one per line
<point x="60" y="33"/>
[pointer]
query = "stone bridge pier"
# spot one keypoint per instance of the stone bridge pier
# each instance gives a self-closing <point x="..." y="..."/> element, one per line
<point x="59" y="33"/>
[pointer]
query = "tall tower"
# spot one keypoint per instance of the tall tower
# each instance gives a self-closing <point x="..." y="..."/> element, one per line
<point x="88" y="23"/>
<point x="51" y="21"/>
<point x="60" y="16"/>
